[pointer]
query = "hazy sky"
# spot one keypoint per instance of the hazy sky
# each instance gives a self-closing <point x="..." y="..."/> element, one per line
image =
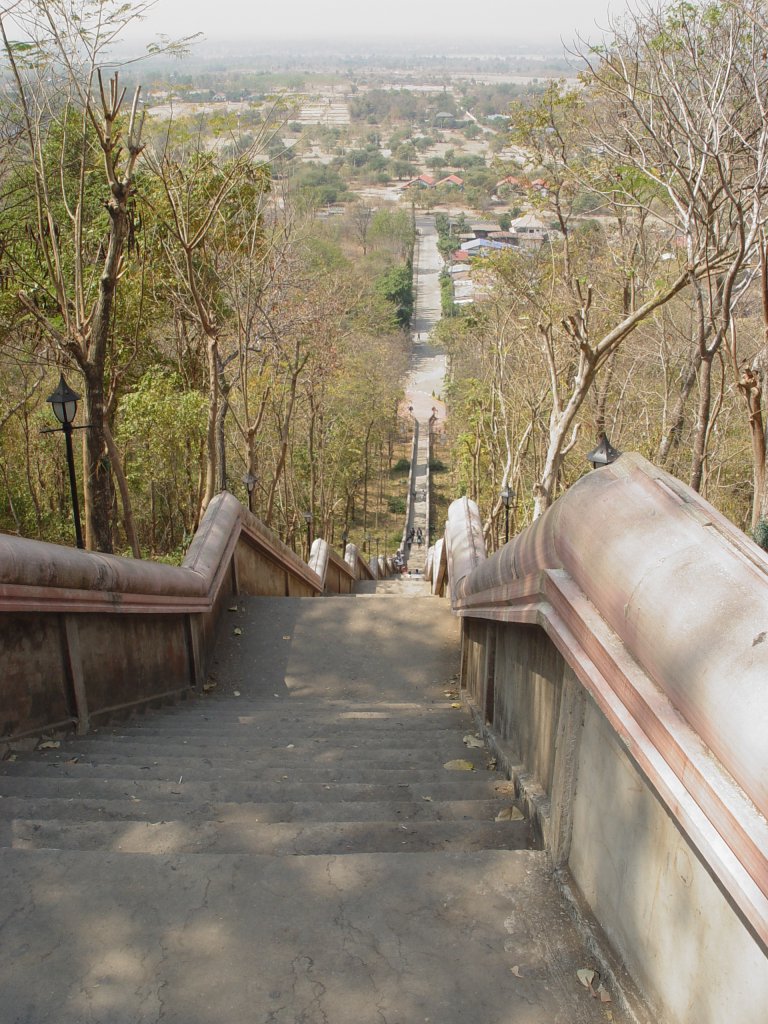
<point x="507" y="21"/>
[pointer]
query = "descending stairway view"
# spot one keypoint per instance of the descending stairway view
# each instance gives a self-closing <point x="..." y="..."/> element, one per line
<point x="321" y="838"/>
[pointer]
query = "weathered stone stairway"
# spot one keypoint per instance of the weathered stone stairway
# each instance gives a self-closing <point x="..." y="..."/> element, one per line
<point x="290" y="848"/>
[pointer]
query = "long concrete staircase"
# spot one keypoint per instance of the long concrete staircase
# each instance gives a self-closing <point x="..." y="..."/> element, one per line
<point x="320" y="839"/>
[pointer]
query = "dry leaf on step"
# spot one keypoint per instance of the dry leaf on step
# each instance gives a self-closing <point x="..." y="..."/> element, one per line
<point x="586" y="977"/>
<point x="516" y="971"/>
<point x="237" y="631"/>
<point x="49" y="745"/>
<point x="455" y="704"/>
<point x="459" y="765"/>
<point x="511" y="814"/>
<point x="473" y="741"/>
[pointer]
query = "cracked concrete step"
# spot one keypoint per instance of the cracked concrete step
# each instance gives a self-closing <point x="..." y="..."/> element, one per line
<point x="269" y="839"/>
<point x="143" y="809"/>
<point x="481" y="785"/>
<point x="361" y="939"/>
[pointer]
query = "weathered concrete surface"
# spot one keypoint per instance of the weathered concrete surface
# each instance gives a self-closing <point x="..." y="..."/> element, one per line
<point x="119" y="939"/>
<point x="340" y="648"/>
<point x="290" y="851"/>
<point x="610" y="648"/>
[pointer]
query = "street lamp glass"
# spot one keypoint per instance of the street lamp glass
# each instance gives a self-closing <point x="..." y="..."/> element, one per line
<point x="64" y="402"/>
<point x="506" y="495"/>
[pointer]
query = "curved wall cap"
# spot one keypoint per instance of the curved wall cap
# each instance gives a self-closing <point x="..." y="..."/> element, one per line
<point x="40" y="568"/>
<point x="685" y="591"/>
<point x="464" y="536"/>
<point x="34" y="563"/>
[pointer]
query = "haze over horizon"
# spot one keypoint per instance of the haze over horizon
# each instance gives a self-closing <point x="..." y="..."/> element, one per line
<point x="494" y="24"/>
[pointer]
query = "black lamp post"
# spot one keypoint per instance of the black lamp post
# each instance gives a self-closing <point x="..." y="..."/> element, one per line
<point x="64" y="404"/>
<point x="344" y="539"/>
<point x="506" y="500"/>
<point x="603" y="454"/>
<point x="368" y="543"/>
<point x="308" y="520"/>
<point x="250" y="482"/>
<point x="377" y="548"/>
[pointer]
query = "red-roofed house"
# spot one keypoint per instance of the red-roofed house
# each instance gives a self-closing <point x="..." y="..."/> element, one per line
<point x="423" y="181"/>
<point x="452" y="181"/>
<point x="510" y="182"/>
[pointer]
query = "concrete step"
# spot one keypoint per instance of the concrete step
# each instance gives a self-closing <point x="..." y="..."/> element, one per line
<point x="269" y="769"/>
<point x="406" y="937"/>
<point x="240" y="758"/>
<point x="269" y="712"/>
<point x="252" y="813"/>
<point x="461" y="786"/>
<point x="403" y="586"/>
<point x="220" y="740"/>
<point x="268" y="839"/>
<point x="251" y="722"/>
<point x="296" y="854"/>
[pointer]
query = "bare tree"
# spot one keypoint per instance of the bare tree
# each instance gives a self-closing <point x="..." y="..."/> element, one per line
<point x="684" y="90"/>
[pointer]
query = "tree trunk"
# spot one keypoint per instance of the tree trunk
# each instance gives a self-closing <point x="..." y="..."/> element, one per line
<point x="671" y="438"/>
<point x="699" y="453"/>
<point x="285" y="433"/>
<point x="221" y="440"/>
<point x="98" y="492"/>
<point x="212" y="352"/>
<point x="125" y="497"/>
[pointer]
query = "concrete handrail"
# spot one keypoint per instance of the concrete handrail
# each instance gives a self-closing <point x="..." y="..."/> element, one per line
<point x="439" y="567"/>
<point x="409" y="494"/>
<point x="357" y="564"/>
<point x="84" y="633"/>
<point x="465" y="547"/>
<point x="36" y="576"/>
<point x="660" y="606"/>
<point x="336" y="576"/>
